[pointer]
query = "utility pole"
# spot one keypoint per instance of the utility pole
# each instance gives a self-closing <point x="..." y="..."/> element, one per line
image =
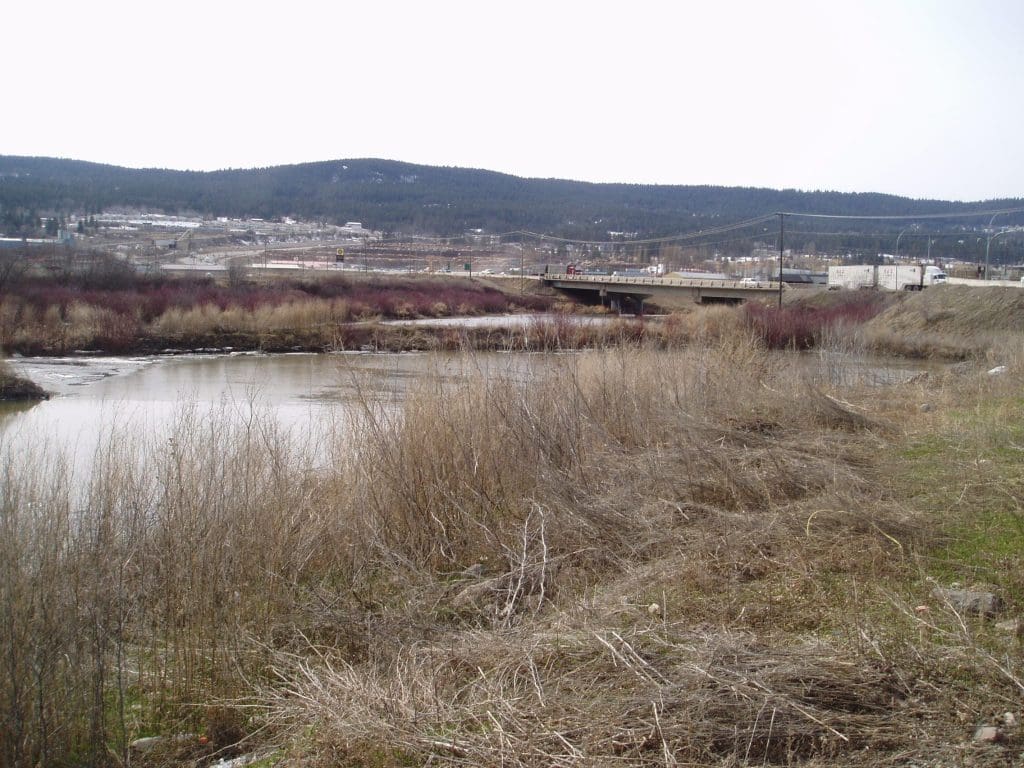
<point x="988" y="241"/>
<point x="522" y="265"/>
<point x="782" y="236"/>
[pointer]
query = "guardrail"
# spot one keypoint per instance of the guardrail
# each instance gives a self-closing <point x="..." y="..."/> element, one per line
<point x="985" y="283"/>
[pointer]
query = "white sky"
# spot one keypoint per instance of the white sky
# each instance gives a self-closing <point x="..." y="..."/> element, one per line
<point x="910" y="97"/>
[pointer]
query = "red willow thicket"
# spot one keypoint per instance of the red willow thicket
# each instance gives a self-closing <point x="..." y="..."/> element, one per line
<point x="149" y="298"/>
<point x="802" y="326"/>
<point x="42" y="315"/>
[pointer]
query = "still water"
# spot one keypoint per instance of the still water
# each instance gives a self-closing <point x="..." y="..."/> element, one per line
<point x="96" y="397"/>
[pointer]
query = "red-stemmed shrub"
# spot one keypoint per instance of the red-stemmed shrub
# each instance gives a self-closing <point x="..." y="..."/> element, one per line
<point x="802" y="326"/>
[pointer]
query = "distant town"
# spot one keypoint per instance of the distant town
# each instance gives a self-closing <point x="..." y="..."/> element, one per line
<point x="167" y="243"/>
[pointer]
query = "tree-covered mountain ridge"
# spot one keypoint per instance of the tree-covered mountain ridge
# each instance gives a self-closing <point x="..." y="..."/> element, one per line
<point x="400" y="197"/>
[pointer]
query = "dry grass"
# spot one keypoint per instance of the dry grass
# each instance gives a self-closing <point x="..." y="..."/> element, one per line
<point x="663" y="694"/>
<point x="949" y="322"/>
<point x="642" y="558"/>
<point x="311" y="323"/>
<point x="958" y="309"/>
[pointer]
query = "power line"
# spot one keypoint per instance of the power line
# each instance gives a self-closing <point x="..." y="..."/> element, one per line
<point x="747" y="223"/>
<point x="877" y="235"/>
<point x="764" y="219"/>
<point x="903" y="218"/>
<point x="647" y="241"/>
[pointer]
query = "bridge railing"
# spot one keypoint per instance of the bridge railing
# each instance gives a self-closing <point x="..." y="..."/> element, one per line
<point x="681" y="282"/>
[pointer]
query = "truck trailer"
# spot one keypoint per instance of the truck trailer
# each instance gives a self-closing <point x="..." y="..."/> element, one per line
<point x="888" y="277"/>
<point x="851" y="278"/>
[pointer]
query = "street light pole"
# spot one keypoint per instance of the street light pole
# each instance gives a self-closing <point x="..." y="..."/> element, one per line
<point x="522" y="265"/>
<point x="782" y="236"/>
<point x="896" y="257"/>
<point x="993" y="237"/>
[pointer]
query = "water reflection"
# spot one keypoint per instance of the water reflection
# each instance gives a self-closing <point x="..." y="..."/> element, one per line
<point x="98" y="398"/>
<point x="13" y="407"/>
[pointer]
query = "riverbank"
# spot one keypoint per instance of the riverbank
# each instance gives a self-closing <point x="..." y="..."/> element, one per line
<point x="141" y="316"/>
<point x="646" y="556"/>
<point x="122" y="313"/>
<point x="522" y="333"/>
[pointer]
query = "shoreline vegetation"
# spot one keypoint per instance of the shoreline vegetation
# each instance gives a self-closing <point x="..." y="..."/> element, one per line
<point x="675" y="548"/>
<point x="114" y="311"/>
<point x="17" y="388"/>
<point x="111" y="310"/>
<point x="650" y="557"/>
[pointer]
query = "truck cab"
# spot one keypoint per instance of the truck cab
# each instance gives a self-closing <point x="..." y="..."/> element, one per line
<point x="935" y="276"/>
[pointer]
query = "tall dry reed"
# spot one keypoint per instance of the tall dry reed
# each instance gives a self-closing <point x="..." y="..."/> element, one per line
<point x="135" y="593"/>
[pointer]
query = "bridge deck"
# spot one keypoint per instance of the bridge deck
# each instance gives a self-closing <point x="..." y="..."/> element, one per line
<point x="663" y="289"/>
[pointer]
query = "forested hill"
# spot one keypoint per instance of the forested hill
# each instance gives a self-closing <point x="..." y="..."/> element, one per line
<point x="401" y="197"/>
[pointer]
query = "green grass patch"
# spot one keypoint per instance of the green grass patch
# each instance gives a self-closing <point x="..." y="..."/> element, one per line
<point x="928" y="448"/>
<point x="970" y="479"/>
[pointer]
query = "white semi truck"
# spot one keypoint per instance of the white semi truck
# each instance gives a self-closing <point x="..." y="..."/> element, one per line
<point x="889" y="277"/>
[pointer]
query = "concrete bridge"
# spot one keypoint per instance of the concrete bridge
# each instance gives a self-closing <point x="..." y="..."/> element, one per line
<point x="666" y="292"/>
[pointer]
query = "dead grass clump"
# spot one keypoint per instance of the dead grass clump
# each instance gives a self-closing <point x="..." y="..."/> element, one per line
<point x="830" y="412"/>
<point x="928" y="346"/>
<point x="14" y="387"/>
<point x="639" y="396"/>
<point x="458" y="469"/>
<point x="703" y="465"/>
<point x="705" y="324"/>
<point x="567" y="331"/>
<point x="310" y="324"/>
<point x="58" y="329"/>
<point x="661" y="695"/>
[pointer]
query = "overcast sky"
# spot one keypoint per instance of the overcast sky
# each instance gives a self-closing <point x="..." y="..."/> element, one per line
<point x="923" y="99"/>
